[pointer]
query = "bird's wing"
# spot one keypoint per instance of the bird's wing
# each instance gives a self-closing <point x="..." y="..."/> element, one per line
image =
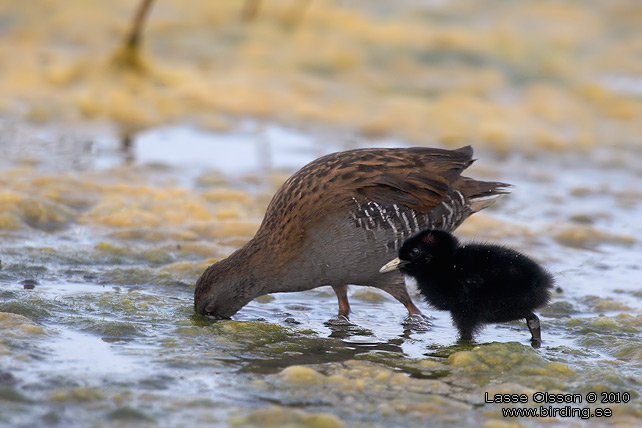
<point x="405" y="190"/>
<point x="405" y="194"/>
<point x="419" y="178"/>
<point x="409" y="193"/>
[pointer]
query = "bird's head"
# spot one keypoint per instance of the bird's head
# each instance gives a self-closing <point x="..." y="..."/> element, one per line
<point x="222" y="290"/>
<point x="422" y="250"/>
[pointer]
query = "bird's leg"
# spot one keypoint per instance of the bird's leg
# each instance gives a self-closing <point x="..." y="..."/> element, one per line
<point x="342" y="296"/>
<point x="465" y="326"/>
<point x="532" y="321"/>
<point x="465" y="333"/>
<point x="412" y="309"/>
<point x="399" y="291"/>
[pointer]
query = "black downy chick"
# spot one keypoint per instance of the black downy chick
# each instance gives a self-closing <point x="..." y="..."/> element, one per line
<point x="478" y="284"/>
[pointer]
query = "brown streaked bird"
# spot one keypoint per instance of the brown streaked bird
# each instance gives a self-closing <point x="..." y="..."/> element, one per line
<point x="338" y="219"/>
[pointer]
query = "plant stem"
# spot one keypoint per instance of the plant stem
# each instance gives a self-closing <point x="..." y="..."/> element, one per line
<point x="133" y="39"/>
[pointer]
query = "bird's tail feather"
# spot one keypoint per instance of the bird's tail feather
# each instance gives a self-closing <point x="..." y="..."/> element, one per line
<point x="481" y="194"/>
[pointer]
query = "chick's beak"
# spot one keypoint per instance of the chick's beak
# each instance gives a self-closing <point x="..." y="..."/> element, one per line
<point x="392" y="265"/>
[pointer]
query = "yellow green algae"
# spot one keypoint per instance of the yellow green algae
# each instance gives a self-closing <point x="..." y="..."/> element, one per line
<point x="14" y="325"/>
<point x="278" y="416"/>
<point x="530" y="74"/>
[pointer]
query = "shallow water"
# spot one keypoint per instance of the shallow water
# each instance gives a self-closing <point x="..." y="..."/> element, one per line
<point x="115" y="236"/>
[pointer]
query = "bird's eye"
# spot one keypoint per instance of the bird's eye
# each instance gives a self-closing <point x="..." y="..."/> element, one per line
<point x="414" y="253"/>
<point x="209" y="308"/>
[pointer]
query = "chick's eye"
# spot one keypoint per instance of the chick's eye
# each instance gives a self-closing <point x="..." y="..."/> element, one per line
<point x="414" y="253"/>
<point x="209" y="308"/>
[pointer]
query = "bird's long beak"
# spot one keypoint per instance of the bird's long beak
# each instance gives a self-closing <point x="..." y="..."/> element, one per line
<point x="392" y="265"/>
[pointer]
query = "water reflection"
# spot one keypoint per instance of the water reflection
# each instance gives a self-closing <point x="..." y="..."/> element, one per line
<point x="254" y="148"/>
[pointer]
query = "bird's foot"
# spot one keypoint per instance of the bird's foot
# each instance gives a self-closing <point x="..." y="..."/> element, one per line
<point x="338" y="320"/>
<point x="465" y="343"/>
<point x="532" y="321"/>
<point x="417" y="322"/>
